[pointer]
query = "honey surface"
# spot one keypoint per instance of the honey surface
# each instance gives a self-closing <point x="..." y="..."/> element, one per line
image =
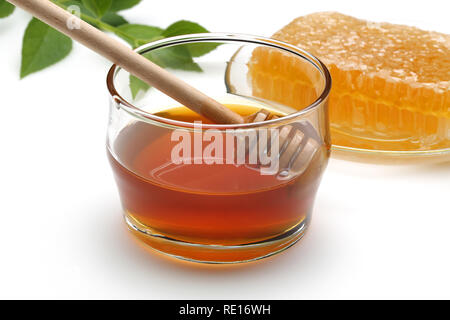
<point x="391" y="83"/>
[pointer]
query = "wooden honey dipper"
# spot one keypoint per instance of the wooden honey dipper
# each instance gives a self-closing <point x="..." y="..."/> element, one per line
<point x="292" y="157"/>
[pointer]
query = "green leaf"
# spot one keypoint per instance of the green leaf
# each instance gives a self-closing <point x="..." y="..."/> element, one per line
<point x="97" y="7"/>
<point x="186" y="27"/>
<point x="42" y="46"/>
<point x="113" y="19"/>
<point x="119" y="5"/>
<point x="177" y="57"/>
<point x="171" y="57"/>
<point x="183" y="27"/>
<point x="200" y="49"/>
<point x="138" y="34"/>
<point x="67" y="3"/>
<point x="137" y="85"/>
<point x="6" y="8"/>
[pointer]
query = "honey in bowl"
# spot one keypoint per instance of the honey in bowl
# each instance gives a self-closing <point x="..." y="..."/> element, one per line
<point x="222" y="192"/>
<point x="207" y="204"/>
<point x="391" y="83"/>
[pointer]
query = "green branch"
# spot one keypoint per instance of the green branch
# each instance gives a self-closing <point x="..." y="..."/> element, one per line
<point x="44" y="46"/>
<point x="95" y="21"/>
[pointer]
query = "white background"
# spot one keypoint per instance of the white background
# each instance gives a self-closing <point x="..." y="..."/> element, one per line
<point x="377" y="232"/>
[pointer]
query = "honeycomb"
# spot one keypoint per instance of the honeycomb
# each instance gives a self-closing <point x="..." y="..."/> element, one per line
<point x="391" y="83"/>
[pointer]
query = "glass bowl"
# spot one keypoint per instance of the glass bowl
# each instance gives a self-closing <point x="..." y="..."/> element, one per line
<point x="185" y="192"/>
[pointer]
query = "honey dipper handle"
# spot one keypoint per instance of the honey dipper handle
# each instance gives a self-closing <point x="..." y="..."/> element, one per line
<point x="129" y="60"/>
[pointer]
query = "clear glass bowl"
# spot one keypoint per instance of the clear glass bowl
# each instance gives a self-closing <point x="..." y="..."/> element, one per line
<point x="206" y="206"/>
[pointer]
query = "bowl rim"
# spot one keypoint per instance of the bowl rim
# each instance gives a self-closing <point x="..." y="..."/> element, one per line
<point x="226" y="38"/>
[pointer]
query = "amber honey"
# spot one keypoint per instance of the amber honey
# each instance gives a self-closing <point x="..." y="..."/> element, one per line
<point x="206" y="204"/>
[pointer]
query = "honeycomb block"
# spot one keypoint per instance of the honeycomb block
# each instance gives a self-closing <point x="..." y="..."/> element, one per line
<point x="391" y="83"/>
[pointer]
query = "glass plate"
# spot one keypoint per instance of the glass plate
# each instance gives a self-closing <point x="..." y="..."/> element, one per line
<point x="390" y="153"/>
